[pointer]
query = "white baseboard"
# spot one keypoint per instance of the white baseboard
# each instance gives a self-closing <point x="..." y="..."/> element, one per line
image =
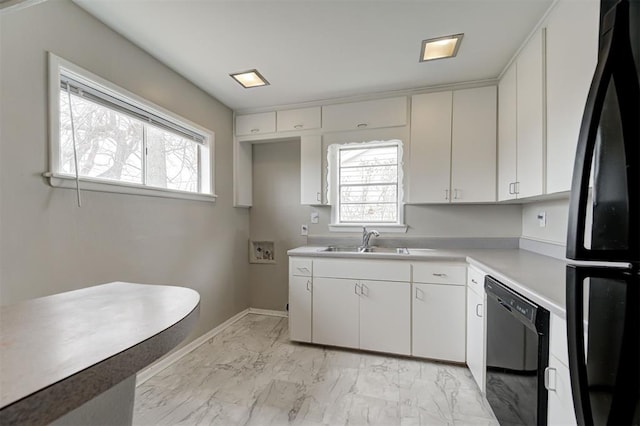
<point x="165" y="362"/>
<point x="268" y="312"/>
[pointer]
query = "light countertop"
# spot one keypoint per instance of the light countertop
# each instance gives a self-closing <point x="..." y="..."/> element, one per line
<point x="539" y="278"/>
<point x="59" y="351"/>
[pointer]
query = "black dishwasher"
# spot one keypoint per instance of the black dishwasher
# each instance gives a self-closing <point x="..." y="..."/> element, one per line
<point x="517" y="356"/>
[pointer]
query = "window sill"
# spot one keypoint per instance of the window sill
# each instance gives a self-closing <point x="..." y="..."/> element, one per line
<point x="383" y="227"/>
<point x="88" y="184"/>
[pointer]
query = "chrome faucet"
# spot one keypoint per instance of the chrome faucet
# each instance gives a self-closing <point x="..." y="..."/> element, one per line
<point x="366" y="236"/>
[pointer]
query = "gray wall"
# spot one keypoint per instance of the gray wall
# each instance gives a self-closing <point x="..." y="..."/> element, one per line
<point x="49" y="245"/>
<point x="276" y="215"/>
<point x="557" y="218"/>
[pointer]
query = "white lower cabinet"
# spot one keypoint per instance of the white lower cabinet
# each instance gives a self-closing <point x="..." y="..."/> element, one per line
<point x="439" y="321"/>
<point x="300" y="292"/>
<point x="385" y="319"/>
<point x="374" y="305"/>
<point x="300" y="298"/>
<point x="476" y="326"/>
<point x="336" y="319"/>
<point x="476" y="337"/>
<point x="371" y="315"/>
<point x="558" y="382"/>
<point x="560" y="403"/>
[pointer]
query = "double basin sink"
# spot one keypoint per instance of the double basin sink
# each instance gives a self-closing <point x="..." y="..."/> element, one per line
<point x="395" y="250"/>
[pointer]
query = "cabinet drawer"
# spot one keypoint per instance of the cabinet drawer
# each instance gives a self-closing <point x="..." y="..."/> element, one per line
<point x="299" y="119"/>
<point x="475" y="280"/>
<point x="376" y="270"/>
<point x="255" y="124"/>
<point x="440" y="273"/>
<point x="365" y="115"/>
<point x="300" y="267"/>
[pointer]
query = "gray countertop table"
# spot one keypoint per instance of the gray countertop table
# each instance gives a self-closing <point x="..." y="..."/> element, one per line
<point x="58" y="352"/>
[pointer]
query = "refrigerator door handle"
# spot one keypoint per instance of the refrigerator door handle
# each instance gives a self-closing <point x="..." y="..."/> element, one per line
<point x="575" y="340"/>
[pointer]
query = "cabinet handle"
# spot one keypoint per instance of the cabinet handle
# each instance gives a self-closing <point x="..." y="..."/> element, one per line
<point x="309" y="285"/>
<point x="361" y="125"/>
<point x="455" y="194"/>
<point x="511" y="188"/>
<point x="418" y="291"/>
<point x="303" y="269"/>
<point x="446" y="194"/>
<point x="516" y="187"/>
<point x="439" y="274"/>
<point x="298" y="126"/>
<point x="355" y="289"/>
<point x="255" y="130"/>
<point x="318" y="196"/>
<point x="478" y="310"/>
<point x="474" y="281"/>
<point x="549" y="382"/>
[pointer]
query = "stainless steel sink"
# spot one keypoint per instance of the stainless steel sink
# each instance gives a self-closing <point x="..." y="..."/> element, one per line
<point x="396" y="250"/>
<point x="342" y="249"/>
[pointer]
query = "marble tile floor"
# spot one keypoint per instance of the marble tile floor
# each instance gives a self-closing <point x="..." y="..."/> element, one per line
<point x="251" y="374"/>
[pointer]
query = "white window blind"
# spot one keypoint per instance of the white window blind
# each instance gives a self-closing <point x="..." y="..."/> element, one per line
<point x="111" y="140"/>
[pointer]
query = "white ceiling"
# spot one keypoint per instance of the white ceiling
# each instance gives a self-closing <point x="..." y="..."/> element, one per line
<point x="320" y="49"/>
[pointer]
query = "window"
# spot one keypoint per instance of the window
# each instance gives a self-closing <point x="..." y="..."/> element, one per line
<point x="121" y="143"/>
<point x="365" y="184"/>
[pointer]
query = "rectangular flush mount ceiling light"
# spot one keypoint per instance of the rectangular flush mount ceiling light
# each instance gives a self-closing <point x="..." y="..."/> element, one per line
<point x="251" y="78"/>
<point x="441" y="47"/>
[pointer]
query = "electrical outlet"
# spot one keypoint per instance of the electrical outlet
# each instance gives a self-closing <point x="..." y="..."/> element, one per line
<point x="304" y="229"/>
<point x="542" y="219"/>
<point x="315" y="217"/>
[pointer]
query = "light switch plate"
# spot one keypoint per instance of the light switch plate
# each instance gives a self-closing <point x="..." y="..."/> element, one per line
<point x="542" y="219"/>
<point x="304" y="229"/>
<point x="315" y="217"/>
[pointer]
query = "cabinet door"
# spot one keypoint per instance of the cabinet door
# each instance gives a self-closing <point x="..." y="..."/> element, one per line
<point x="299" y="119"/>
<point x="473" y="140"/>
<point x="335" y="312"/>
<point x="311" y="170"/>
<point x="476" y="337"/>
<point x="529" y="113"/>
<point x="365" y="115"/>
<point x="439" y="321"/>
<point x="256" y="124"/>
<point x="572" y="53"/>
<point x="430" y="168"/>
<point x="507" y="136"/>
<point x="385" y="319"/>
<point x="300" y="295"/>
<point x="242" y="174"/>
<point x="560" y="409"/>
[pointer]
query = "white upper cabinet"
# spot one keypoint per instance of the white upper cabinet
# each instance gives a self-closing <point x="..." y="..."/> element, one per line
<point x="473" y="145"/>
<point x="311" y="170"/>
<point x="507" y="137"/>
<point x="365" y="115"/>
<point x="530" y="112"/>
<point x="521" y="134"/>
<point x="453" y="147"/>
<point x="572" y="53"/>
<point x="429" y="173"/>
<point x="256" y="124"/>
<point x="299" y="119"/>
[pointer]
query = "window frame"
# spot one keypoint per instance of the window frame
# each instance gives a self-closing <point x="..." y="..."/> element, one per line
<point x="59" y="67"/>
<point x="333" y="188"/>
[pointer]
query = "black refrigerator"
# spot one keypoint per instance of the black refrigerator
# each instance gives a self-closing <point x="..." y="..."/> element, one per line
<point x="603" y="299"/>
